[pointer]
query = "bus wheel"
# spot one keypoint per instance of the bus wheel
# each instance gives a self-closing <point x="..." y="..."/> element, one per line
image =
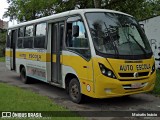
<point x="74" y="91"/>
<point x="23" y="76"/>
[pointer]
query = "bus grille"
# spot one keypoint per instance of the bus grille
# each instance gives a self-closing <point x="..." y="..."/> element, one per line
<point x="141" y="74"/>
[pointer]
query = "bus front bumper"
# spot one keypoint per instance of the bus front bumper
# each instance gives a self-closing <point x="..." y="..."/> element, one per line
<point x="107" y="87"/>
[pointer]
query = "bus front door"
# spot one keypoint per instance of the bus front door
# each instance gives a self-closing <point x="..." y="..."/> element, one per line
<point x="56" y="48"/>
<point x="13" y="49"/>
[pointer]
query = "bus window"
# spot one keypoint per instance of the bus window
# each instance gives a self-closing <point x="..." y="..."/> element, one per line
<point x="61" y="36"/>
<point x="28" y="39"/>
<point x="20" y="32"/>
<point x="28" y="43"/>
<point x="20" y="37"/>
<point x="20" y="43"/>
<point x="29" y="31"/>
<point x="39" y="41"/>
<point x="41" y="29"/>
<point x="8" y="43"/>
<point x="78" y="44"/>
<point x="69" y="35"/>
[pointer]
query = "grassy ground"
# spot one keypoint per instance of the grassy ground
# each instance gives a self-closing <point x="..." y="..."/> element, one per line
<point x="156" y="89"/>
<point x="16" y="99"/>
<point x="2" y="59"/>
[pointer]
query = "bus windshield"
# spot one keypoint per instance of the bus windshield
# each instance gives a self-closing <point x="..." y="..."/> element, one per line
<point x="117" y="34"/>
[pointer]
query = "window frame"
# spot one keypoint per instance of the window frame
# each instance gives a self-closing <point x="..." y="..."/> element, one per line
<point x="8" y="42"/>
<point x="35" y="36"/>
<point x="32" y="30"/>
<point x="72" y="49"/>
<point x="36" y="28"/>
<point x="20" y="37"/>
<point x="31" y="37"/>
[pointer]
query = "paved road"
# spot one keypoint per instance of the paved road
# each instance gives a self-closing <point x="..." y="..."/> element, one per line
<point x="139" y="102"/>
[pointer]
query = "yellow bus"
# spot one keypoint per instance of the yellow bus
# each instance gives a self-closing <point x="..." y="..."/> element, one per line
<point x="89" y="52"/>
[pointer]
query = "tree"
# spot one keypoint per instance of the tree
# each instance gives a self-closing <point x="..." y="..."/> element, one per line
<point x="33" y="9"/>
<point x="2" y="41"/>
<point x="64" y="5"/>
<point x="97" y="3"/>
<point x="29" y="9"/>
<point x="141" y="9"/>
<point x="2" y="36"/>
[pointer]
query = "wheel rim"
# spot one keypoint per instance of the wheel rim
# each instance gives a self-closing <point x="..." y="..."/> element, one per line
<point x="74" y="91"/>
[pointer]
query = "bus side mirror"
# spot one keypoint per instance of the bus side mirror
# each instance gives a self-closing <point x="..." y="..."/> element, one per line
<point x="75" y="31"/>
<point x="142" y="26"/>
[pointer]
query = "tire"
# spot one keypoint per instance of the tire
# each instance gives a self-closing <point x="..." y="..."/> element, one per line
<point x="23" y="76"/>
<point x="74" y="91"/>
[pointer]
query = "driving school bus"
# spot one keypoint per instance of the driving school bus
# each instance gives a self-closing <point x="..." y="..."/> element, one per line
<point x="89" y="52"/>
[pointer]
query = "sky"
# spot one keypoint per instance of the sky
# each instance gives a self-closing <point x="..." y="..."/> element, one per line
<point x="3" y="8"/>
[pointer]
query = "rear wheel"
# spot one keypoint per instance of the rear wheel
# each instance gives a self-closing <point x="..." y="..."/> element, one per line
<point x="74" y="91"/>
<point x="23" y="76"/>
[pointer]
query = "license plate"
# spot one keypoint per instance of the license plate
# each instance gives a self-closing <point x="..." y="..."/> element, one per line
<point x="136" y="85"/>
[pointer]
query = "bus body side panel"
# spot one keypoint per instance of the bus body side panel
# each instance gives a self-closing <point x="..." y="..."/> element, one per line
<point x="34" y="62"/>
<point x="8" y="56"/>
<point x="67" y="70"/>
<point x="75" y="64"/>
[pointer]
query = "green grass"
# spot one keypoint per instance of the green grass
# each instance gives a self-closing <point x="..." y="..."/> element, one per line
<point x="156" y="89"/>
<point x="16" y="99"/>
<point x="2" y="59"/>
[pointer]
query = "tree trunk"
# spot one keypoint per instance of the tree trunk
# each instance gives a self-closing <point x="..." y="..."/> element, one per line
<point x="97" y="3"/>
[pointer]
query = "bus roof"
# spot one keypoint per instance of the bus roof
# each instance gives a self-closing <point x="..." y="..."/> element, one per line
<point x="63" y="14"/>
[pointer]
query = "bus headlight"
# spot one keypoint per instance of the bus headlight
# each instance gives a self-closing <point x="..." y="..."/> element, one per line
<point x="153" y="68"/>
<point x="107" y="72"/>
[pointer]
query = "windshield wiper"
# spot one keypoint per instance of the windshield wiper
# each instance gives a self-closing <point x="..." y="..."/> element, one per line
<point x="138" y="43"/>
<point x="111" y="40"/>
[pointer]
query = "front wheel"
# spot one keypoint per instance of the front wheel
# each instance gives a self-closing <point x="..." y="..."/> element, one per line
<point x="74" y="91"/>
<point x="23" y="76"/>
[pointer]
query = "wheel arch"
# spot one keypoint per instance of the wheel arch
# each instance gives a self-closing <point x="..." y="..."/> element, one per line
<point x="68" y="78"/>
<point x="20" y="67"/>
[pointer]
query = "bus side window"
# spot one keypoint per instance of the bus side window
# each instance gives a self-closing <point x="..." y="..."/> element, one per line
<point x="8" y="43"/>
<point x="69" y="35"/>
<point x="79" y="44"/>
<point x="61" y="35"/>
<point x="20" y="43"/>
<point x="28" y="39"/>
<point x="39" y="41"/>
<point x="20" y="37"/>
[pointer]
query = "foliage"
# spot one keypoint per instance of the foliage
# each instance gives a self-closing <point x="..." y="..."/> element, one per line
<point x="2" y="41"/>
<point x="66" y="5"/>
<point x="141" y="9"/>
<point x="29" y="9"/>
<point x="2" y="36"/>
<point x="2" y="59"/>
<point x="156" y="89"/>
<point x="32" y="9"/>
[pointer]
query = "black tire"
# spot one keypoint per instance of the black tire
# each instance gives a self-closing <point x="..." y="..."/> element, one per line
<point x="74" y="91"/>
<point x="23" y="76"/>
